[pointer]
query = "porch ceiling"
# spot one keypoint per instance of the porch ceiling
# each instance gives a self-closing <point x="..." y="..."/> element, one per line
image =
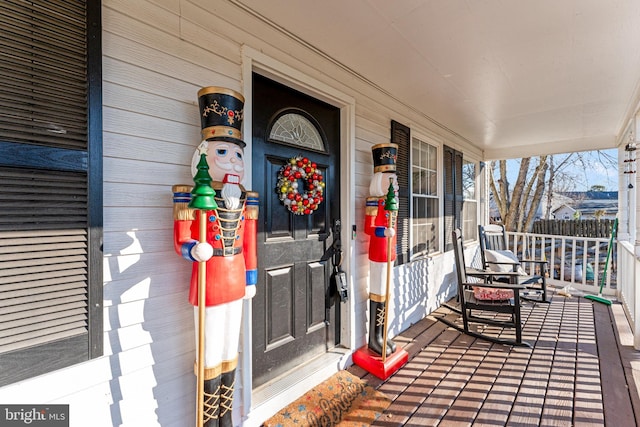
<point x="515" y="78"/>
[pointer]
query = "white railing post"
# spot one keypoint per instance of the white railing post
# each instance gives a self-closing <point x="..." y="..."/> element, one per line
<point x="628" y="282"/>
<point x="633" y="281"/>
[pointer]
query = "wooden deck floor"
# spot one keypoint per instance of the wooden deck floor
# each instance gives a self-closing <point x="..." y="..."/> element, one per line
<point x="576" y="374"/>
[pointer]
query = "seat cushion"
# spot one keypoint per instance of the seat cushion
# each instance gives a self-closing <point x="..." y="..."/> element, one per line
<point x="506" y="257"/>
<point x="492" y="294"/>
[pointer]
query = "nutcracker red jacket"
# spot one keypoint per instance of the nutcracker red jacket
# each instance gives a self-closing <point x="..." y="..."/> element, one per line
<point x="375" y="221"/>
<point x="232" y="234"/>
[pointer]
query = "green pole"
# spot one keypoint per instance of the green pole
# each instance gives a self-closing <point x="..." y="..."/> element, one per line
<point x="599" y="297"/>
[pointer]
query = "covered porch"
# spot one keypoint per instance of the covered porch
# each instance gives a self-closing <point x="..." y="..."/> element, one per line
<point x="480" y="81"/>
<point x="580" y="371"/>
<point x="512" y="81"/>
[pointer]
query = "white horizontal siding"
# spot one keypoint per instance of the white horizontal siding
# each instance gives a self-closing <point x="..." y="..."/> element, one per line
<point x="156" y="55"/>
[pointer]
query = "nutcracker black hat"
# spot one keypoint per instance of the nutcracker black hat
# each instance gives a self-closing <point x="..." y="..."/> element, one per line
<point x="221" y="114"/>
<point x="384" y="157"/>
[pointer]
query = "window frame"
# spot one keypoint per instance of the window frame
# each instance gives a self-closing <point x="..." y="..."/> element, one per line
<point x="439" y="197"/>
<point x="473" y="236"/>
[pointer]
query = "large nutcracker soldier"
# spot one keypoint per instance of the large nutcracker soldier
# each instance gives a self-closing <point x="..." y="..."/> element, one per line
<point x="228" y="250"/>
<point x="382" y="243"/>
<point x="381" y="356"/>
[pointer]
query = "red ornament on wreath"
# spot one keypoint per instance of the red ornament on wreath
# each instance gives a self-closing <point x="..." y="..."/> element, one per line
<point x="305" y="200"/>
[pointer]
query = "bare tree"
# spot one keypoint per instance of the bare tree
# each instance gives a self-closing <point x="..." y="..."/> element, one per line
<point x="527" y="192"/>
<point x="559" y="178"/>
<point x="519" y="202"/>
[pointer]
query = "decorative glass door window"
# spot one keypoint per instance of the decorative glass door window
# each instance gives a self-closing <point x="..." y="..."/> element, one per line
<point x="296" y="129"/>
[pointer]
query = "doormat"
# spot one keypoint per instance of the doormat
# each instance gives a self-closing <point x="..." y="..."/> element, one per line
<point x="343" y="400"/>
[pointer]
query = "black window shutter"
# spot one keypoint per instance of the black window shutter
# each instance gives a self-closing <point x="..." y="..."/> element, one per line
<point x="453" y="194"/>
<point x="50" y="186"/>
<point x="400" y="134"/>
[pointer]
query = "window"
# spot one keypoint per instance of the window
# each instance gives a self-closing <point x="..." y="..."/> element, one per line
<point x="460" y="196"/>
<point x="296" y="129"/>
<point x="425" y="198"/>
<point x="50" y="186"/>
<point x="469" y="200"/>
<point x="456" y="196"/>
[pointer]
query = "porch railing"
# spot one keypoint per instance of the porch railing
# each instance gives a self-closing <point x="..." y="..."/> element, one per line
<point x="627" y="288"/>
<point x="579" y="262"/>
<point x="576" y="262"/>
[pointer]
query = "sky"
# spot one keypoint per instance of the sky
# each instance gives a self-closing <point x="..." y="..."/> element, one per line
<point x="583" y="170"/>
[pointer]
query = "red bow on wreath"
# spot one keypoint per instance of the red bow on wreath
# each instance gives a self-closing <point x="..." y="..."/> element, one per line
<point x="300" y="201"/>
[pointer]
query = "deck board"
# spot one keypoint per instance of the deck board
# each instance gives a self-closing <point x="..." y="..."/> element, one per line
<point x="575" y="374"/>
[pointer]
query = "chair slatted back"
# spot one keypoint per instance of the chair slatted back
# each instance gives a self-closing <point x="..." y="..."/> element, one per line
<point x="492" y="237"/>
<point x="458" y="249"/>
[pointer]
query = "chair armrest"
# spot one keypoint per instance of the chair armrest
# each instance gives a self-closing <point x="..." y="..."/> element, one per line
<point x="512" y="286"/>
<point x="480" y="274"/>
<point x="504" y="262"/>
<point x="488" y="274"/>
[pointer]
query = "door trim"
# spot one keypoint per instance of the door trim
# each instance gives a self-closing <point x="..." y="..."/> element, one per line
<point x="256" y="61"/>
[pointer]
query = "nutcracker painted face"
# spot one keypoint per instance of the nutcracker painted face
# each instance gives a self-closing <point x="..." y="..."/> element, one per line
<point x="223" y="158"/>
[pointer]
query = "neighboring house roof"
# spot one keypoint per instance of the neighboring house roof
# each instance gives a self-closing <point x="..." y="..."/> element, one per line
<point x="590" y="195"/>
<point x="589" y="202"/>
<point x="590" y="206"/>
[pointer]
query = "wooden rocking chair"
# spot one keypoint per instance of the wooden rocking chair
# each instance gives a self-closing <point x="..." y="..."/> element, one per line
<point x="497" y="257"/>
<point x="485" y="302"/>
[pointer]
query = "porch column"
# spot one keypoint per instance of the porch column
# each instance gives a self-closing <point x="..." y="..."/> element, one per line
<point x="633" y="179"/>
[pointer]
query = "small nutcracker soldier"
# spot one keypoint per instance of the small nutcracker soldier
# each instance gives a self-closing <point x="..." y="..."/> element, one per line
<point x="228" y="251"/>
<point x="381" y="252"/>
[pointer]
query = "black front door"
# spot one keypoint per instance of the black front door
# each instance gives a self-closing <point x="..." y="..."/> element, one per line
<point x="291" y="322"/>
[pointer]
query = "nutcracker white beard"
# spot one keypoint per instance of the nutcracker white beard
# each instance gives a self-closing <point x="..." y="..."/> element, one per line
<point x="379" y="184"/>
<point x="231" y="194"/>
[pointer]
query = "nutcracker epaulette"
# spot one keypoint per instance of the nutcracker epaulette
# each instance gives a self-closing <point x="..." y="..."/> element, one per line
<point x="181" y="199"/>
<point x="372" y="206"/>
<point x="251" y="211"/>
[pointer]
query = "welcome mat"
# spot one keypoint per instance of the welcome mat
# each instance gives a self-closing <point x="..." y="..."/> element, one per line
<point x="343" y="400"/>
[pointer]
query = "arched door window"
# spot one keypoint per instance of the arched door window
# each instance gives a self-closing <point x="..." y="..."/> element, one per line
<point x="294" y="128"/>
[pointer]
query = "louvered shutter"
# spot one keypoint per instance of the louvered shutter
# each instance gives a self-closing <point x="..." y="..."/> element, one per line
<point x="453" y="194"/>
<point x="400" y="134"/>
<point x="50" y="186"/>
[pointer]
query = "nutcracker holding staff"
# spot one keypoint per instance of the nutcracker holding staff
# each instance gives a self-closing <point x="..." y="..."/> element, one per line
<point x="382" y="244"/>
<point x="215" y="228"/>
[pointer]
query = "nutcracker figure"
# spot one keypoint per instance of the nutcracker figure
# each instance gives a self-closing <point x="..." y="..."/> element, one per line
<point x="221" y="243"/>
<point x="382" y="243"/>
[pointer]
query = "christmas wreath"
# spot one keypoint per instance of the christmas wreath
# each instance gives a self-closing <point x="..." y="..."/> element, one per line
<point x="300" y="201"/>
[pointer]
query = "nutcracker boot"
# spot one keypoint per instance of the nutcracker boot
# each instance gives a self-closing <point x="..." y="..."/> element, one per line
<point x="376" y="328"/>
<point x="227" y="384"/>
<point x="211" y="412"/>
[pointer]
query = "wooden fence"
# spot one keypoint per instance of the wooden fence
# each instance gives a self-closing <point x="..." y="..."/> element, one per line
<point x="578" y="228"/>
